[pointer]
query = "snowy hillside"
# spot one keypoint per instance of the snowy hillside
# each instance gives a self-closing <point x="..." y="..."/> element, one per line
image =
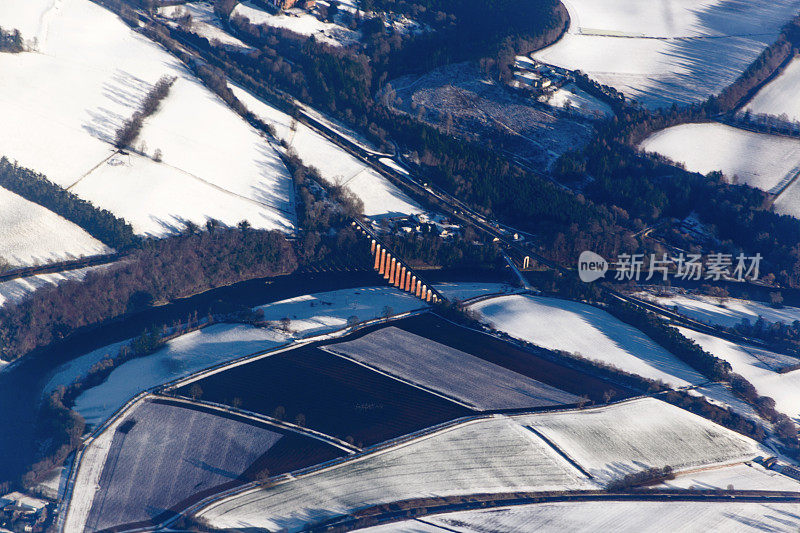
<point x="493" y="455"/>
<point x="726" y="312"/>
<point x="335" y="165"/>
<point x="658" y="52"/>
<point x="621" y="517"/>
<point x="487" y="456"/>
<point x="67" y="100"/>
<point x="609" y="442"/>
<point x="578" y="328"/>
<point x="311" y="314"/>
<point x="203" y="22"/>
<point x="299" y="21"/>
<point x="759" y="367"/>
<point x="33" y="235"/>
<point x="780" y="95"/>
<point x="766" y="162"/>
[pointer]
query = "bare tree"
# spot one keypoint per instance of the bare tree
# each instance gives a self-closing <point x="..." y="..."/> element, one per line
<point x="196" y="391"/>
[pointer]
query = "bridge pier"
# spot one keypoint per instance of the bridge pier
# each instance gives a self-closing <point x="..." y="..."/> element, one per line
<point x="399" y="281"/>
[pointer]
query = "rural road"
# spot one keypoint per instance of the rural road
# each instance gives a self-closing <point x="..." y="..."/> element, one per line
<point x="405" y="510"/>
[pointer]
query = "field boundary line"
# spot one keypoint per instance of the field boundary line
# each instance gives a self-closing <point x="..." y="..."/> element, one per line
<point x="367" y="453"/>
<point x="405" y="381"/>
<point x="258" y="417"/>
<point x="412" y="509"/>
<point x="289" y="345"/>
<point x="122" y="410"/>
<point x="559" y="451"/>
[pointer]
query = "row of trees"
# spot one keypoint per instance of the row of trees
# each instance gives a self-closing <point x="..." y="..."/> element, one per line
<point x="773" y="57"/>
<point x="60" y="428"/>
<point x="650" y="476"/>
<point x="11" y="41"/>
<point x="785" y="428"/>
<point x="712" y="367"/>
<point x="99" y="223"/>
<point x="781" y="336"/>
<point x="130" y="129"/>
<point x="161" y="270"/>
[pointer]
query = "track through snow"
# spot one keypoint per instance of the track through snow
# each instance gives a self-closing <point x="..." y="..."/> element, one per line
<point x="44" y="25"/>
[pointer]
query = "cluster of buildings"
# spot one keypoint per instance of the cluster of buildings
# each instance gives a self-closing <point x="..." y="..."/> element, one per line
<point x="288" y="4"/>
<point x="421" y="223"/>
<point x="19" y="512"/>
<point x="530" y="75"/>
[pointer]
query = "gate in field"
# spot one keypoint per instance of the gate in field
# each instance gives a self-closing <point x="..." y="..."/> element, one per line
<point x="395" y="271"/>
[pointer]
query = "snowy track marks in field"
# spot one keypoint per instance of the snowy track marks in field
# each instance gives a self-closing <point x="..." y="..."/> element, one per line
<point x="226" y="191"/>
<point x="98" y="165"/>
<point x="44" y="25"/>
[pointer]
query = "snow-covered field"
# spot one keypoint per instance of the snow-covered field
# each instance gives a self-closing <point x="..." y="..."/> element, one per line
<point x="182" y="356"/>
<point x="726" y="312"/>
<point x="156" y="199"/>
<point x="313" y="314"/>
<point x="763" y="161"/>
<point x="204" y="22"/>
<point x="620" y="517"/>
<point x="87" y="478"/>
<point x="310" y="315"/>
<point x="33" y="235"/>
<point x="659" y="53"/>
<point x="609" y="442"/>
<point x="759" y="368"/>
<point x="334" y="164"/>
<point x="300" y="21"/>
<point x="193" y="449"/>
<point x="67" y="101"/>
<point x="579" y="328"/>
<point x="16" y="290"/>
<point x="780" y="95"/>
<point x="473" y="382"/>
<point x="492" y="455"/>
<point x="749" y="476"/>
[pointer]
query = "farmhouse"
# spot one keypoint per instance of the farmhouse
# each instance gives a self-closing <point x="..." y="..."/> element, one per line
<point x="531" y="79"/>
<point x="17" y="509"/>
<point x="288" y="4"/>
